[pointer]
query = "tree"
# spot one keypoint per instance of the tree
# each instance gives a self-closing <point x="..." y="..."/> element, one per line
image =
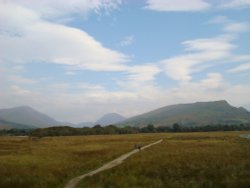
<point x="176" y="127"/>
<point x="150" y="128"/>
<point x="97" y="126"/>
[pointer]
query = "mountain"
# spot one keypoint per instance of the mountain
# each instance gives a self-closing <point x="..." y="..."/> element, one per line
<point x="194" y="114"/>
<point x="26" y="115"/>
<point x="109" y="119"/>
<point x="10" y="125"/>
<point x="85" y="124"/>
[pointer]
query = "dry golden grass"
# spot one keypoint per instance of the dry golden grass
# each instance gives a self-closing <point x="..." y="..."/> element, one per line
<point x="219" y="159"/>
<point x="52" y="161"/>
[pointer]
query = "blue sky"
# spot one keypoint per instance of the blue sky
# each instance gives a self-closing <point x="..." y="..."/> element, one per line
<point x="78" y="60"/>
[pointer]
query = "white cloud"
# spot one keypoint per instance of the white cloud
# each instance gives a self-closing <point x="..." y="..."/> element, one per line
<point x="13" y="75"/>
<point x="236" y="4"/>
<point x="20" y="80"/>
<point x="177" y="5"/>
<point x="146" y="72"/>
<point x="213" y="81"/>
<point x="241" y="58"/>
<point x="71" y="73"/>
<point x="18" y="68"/>
<point x="32" y="39"/>
<point x="127" y="41"/>
<point x="215" y="44"/>
<point x="237" y="27"/>
<point x="195" y="5"/>
<point x="219" y="20"/>
<point x="230" y="26"/>
<point x="241" y="68"/>
<point x="88" y="86"/>
<point x="63" y="9"/>
<point x="203" y="53"/>
<point x="140" y="82"/>
<point x="17" y="90"/>
<point x="200" y="51"/>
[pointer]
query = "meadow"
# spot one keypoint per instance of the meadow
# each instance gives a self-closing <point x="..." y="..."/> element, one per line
<point x="212" y="159"/>
<point x="50" y="162"/>
<point x="188" y="160"/>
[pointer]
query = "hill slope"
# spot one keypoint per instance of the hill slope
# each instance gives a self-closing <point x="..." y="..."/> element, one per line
<point x="194" y="114"/>
<point x="109" y="119"/>
<point x="27" y="116"/>
<point x="10" y="125"/>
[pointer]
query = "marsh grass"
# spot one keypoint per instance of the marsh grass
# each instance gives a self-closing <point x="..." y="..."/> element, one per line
<point x="52" y="161"/>
<point x="219" y="159"/>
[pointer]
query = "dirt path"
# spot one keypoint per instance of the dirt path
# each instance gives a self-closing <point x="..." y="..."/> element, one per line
<point x="245" y="136"/>
<point x="73" y="182"/>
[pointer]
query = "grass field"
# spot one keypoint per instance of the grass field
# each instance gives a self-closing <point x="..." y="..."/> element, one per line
<point x="219" y="159"/>
<point x="51" y="161"/>
<point x="189" y="160"/>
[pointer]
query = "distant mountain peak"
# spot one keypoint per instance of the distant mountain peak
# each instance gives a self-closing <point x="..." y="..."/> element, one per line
<point x="210" y="102"/>
<point x="24" y="107"/>
<point x="243" y="110"/>
<point x="222" y="102"/>
<point x="112" y="114"/>
<point x="110" y="118"/>
<point x="26" y="115"/>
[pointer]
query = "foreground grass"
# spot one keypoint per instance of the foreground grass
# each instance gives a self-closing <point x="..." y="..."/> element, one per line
<point x="220" y="159"/>
<point x="52" y="161"/>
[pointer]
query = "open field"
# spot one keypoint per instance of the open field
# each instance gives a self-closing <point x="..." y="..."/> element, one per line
<point x="215" y="159"/>
<point x="52" y="161"/>
<point x="111" y="164"/>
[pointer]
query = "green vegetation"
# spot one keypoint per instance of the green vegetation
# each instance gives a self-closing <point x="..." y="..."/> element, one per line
<point x="50" y="162"/>
<point x="108" y="130"/>
<point x="210" y="160"/>
<point x="111" y="129"/>
<point x="216" y="159"/>
<point x="15" y="132"/>
<point x="10" y="125"/>
<point x="194" y="114"/>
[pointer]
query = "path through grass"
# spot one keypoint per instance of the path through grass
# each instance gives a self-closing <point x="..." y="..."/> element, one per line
<point x="219" y="159"/>
<point x="51" y="161"/>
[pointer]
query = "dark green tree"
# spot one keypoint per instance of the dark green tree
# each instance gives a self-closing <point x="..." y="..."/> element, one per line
<point x="176" y="127"/>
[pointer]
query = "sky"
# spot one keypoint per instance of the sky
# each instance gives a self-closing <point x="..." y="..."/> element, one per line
<point x="78" y="60"/>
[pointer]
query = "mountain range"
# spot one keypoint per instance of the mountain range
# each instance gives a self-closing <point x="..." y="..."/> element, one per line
<point x="193" y="114"/>
<point x="25" y="117"/>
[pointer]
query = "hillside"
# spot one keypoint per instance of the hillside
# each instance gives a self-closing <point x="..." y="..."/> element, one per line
<point x="10" y="125"/>
<point x="194" y="114"/>
<point x="26" y="115"/>
<point x="109" y="119"/>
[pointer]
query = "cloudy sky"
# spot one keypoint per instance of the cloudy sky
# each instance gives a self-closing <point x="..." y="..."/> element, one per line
<point x="77" y="60"/>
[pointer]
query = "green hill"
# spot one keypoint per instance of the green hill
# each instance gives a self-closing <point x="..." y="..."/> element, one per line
<point x="10" y="125"/>
<point x="25" y="115"/>
<point x="194" y="114"/>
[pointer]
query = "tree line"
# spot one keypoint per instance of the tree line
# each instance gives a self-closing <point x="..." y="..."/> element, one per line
<point x="111" y="129"/>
